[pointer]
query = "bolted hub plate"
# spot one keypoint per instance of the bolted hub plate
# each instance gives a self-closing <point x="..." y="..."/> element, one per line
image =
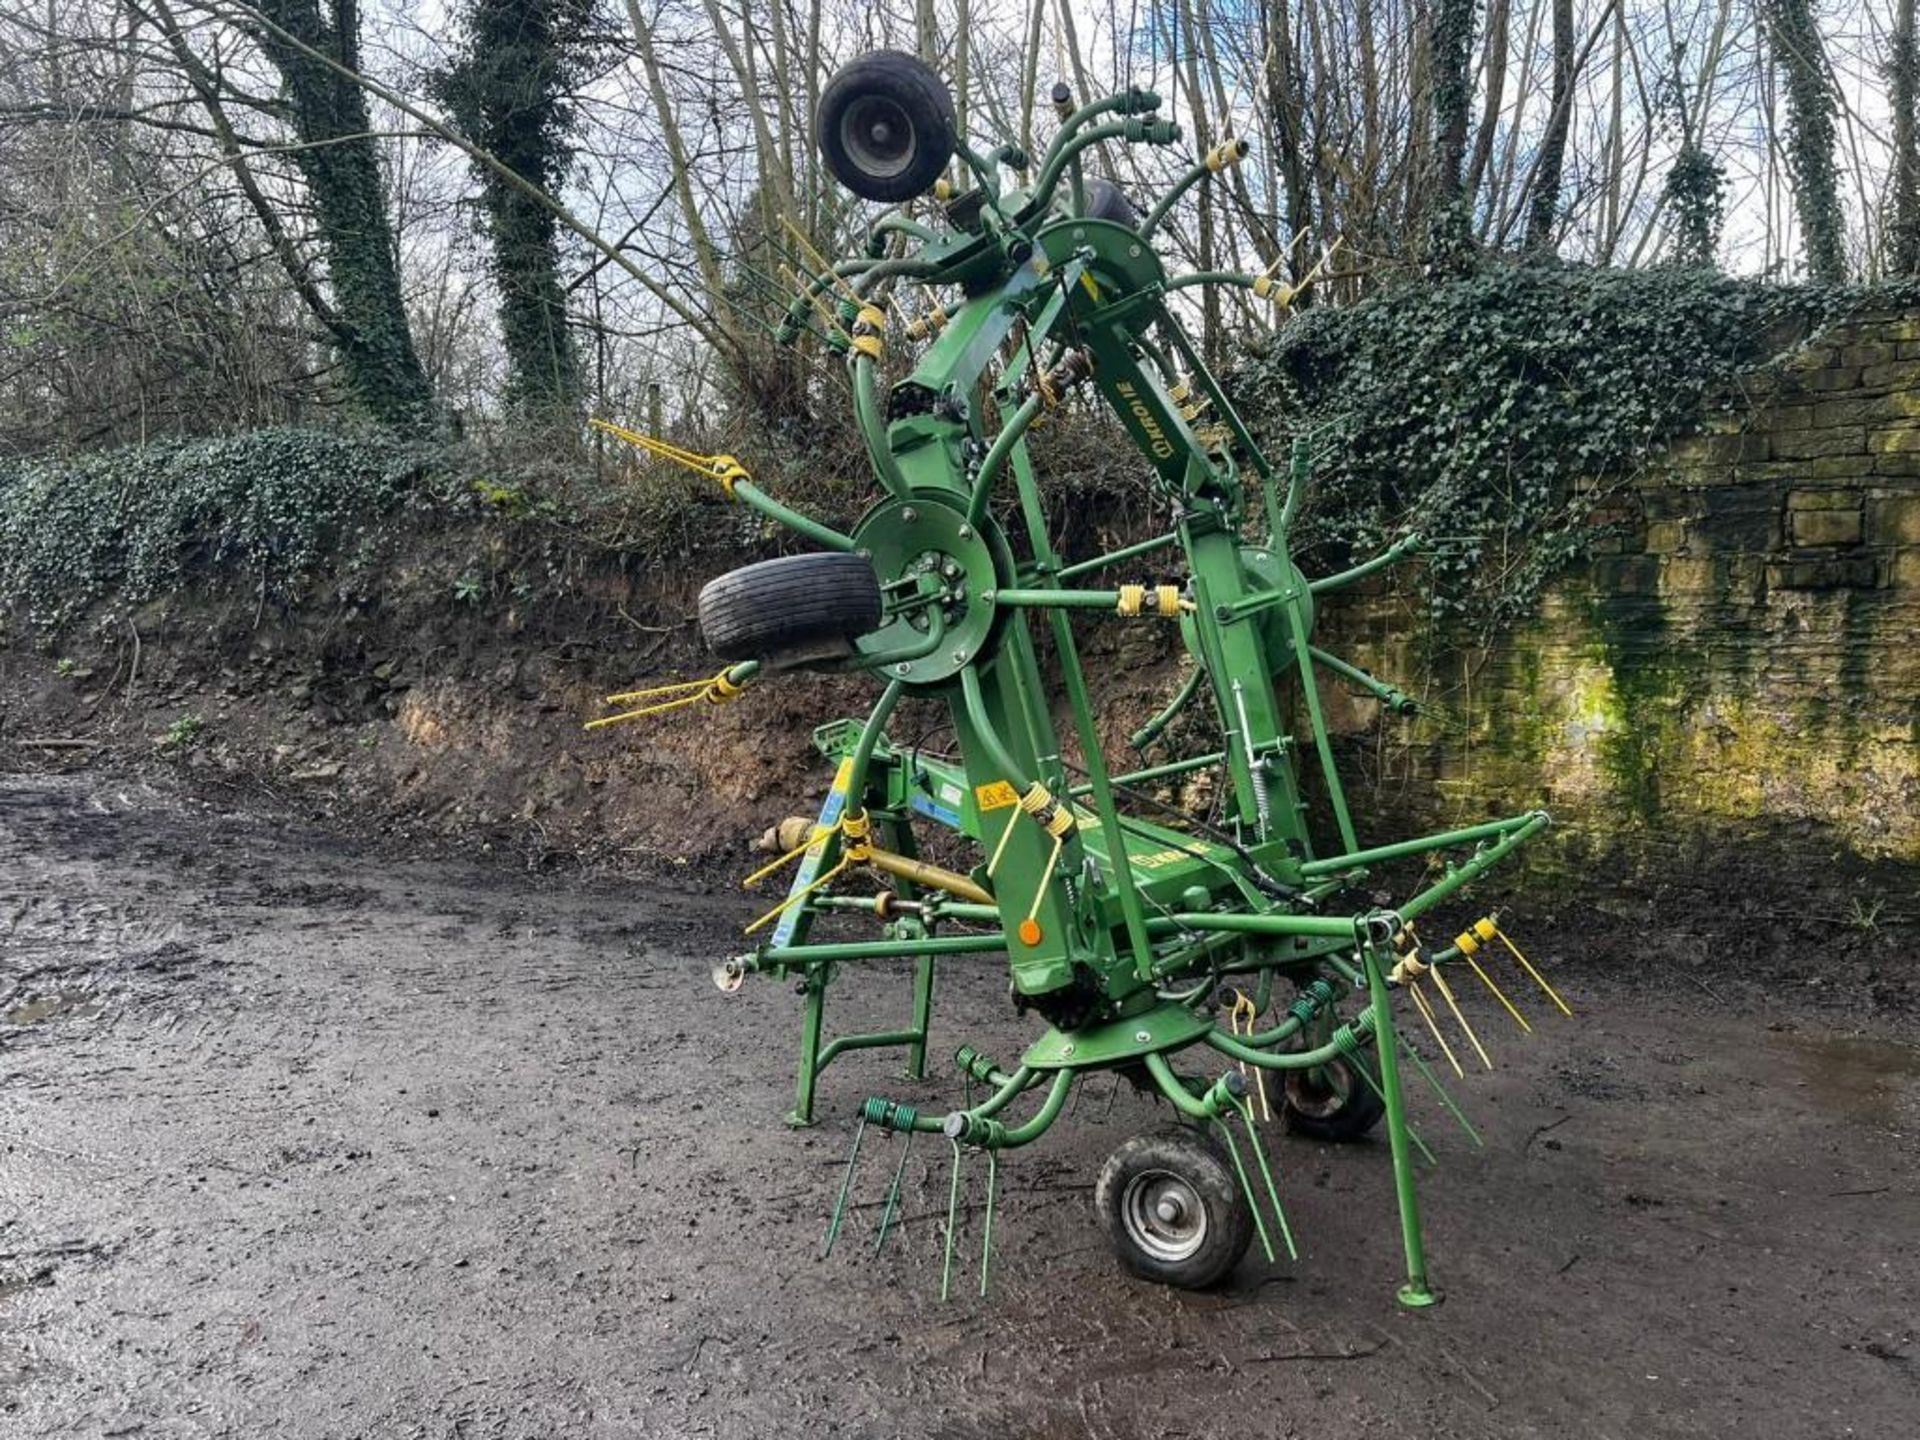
<point x="923" y="550"/>
<point x="1122" y="263"/>
<point x="1167" y="1027"/>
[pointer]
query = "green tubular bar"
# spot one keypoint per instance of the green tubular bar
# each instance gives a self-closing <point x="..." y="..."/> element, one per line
<point x="1406" y="545"/>
<point x="1359" y="859"/>
<point x="1115" y="557"/>
<point x="1360" y="1029"/>
<point x="1391" y="696"/>
<point x="1142" y="738"/>
<point x="1160" y="772"/>
<point x="1058" y="599"/>
<point x="879" y="949"/>
<point x="1416" y="1293"/>
<point x="867" y="414"/>
<point x="750" y="494"/>
<point x="870" y="1040"/>
<point x="1211" y="277"/>
<point x="1180" y="187"/>
<point x="996" y="458"/>
<point x="996" y="748"/>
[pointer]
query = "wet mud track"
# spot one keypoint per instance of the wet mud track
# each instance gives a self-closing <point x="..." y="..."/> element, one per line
<point x="295" y="1141"/>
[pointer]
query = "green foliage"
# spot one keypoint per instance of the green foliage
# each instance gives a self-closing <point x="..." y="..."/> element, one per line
<point x="271" y="506"/>
<point x="183" y="734"/>
<point x="1489" y="413"/>
<point x="1695" y="191"/>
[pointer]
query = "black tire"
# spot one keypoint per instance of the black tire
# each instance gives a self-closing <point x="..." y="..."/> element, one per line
<point x="1107" y="201"/>
<point x="793" y="611"/>
<point x="1332" y="1102"/>
<point x="1173" y="1208"/>
<point x="885" y="126"/>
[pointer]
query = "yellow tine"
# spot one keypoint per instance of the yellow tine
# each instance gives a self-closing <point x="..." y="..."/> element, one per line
<point x="1446" y="992"/>
<point x="1046" y="874"/>
<point x="663" y="448"/>
<point x="1498" y="993"/>
<point x="819" y="260"/>
<point x="691" y="459"/>
<point x="626" y="715"/>
<point x="797" y="896"/>
<point x="1259" y="1075"/>
<point x="1538" y="978"/>
<point x="820" y="306"/>
<point x="1005" y="835"/>
<point x="679" y="686"/>
<point x="1420" y="1003"/>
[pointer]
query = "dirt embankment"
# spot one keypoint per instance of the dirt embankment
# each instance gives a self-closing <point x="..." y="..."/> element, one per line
<point x="413" y="718"/>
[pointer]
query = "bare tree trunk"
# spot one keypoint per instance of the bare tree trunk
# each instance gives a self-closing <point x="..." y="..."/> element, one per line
<point x="341" y="166"/>
<point x="1903" y="179"/>
<point x="1544" y="204"/>
<point x="1498" y="16"/>
<point x="1795" y="40"/>
<point x="1287" y="108"/>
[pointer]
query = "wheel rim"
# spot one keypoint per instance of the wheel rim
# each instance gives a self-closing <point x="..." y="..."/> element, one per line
<point x="1320" y="1092"/>
<point x="878" y="136"/>
<point x="1163" y="1215"/>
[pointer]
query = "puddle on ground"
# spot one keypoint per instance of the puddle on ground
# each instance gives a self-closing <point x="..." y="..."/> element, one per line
<point x="54" y="1005"/>
<point x="1865" y="1080"/>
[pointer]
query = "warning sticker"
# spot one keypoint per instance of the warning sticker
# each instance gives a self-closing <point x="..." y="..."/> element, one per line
<point x="996" y="796"/>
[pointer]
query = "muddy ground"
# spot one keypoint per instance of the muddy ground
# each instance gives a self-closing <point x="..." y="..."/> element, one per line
<point x="306" y="1140"/>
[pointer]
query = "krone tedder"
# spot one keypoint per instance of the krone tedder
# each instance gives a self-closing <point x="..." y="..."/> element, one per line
<point x="1149" y="945"/>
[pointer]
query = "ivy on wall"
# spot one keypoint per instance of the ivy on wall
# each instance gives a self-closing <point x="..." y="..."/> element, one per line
<point x="1490" y="412"/>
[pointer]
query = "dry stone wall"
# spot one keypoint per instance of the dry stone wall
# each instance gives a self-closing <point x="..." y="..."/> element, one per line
<point x="1740" y="659"/>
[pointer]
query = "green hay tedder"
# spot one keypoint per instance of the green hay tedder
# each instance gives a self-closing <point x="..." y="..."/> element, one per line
<point x="1149" y="945"/>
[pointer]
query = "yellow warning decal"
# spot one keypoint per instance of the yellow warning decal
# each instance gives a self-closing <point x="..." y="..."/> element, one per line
<point x="997" y="796"/>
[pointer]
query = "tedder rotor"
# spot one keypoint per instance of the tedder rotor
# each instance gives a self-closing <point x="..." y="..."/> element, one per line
<point x="1149" y="948"/>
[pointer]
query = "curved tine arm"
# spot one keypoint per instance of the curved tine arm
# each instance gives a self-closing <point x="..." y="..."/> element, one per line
<point x="996" y="748"/>
<point x="996" y="458"/>
<point x="1404" y="545"/>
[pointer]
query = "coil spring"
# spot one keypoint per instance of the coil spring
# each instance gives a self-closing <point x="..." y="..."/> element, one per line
<point x="888" y="1114"/>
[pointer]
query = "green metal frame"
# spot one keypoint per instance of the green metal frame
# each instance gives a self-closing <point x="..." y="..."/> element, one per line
<point x="1116" y="929"/>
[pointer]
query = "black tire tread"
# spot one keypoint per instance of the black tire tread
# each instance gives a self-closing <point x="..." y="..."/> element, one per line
<point x="760" y="610"/>
<point x="1362" y="1110"/>
<point x="1196" y="1156"/>
<point x="908" y="79"/>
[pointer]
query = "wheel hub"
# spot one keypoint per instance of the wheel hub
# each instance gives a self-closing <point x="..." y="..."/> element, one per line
<point x="1163" y="1215"/>
<point x="879" y="135"/>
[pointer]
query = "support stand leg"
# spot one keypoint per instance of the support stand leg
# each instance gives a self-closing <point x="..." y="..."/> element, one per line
<point x="1416" y="1293"/>
<point x="922" y="1017"/>
<point x="811" y="1020"/>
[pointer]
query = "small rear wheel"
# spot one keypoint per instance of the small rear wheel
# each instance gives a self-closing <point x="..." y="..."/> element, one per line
<point x="1331" y="1102"/>
<point x="1173" y="1208"/>
<point x="797" y="610"/>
